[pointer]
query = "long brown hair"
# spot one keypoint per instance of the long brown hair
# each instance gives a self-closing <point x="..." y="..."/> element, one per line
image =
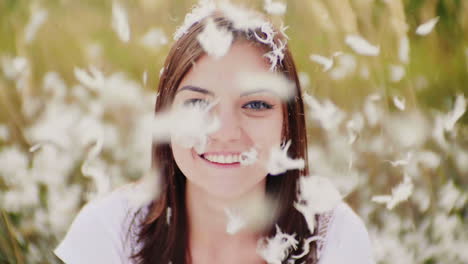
<point x="164" y="243"/>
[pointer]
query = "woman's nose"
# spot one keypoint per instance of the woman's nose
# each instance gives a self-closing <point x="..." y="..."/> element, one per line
<point x="230" y="128"/>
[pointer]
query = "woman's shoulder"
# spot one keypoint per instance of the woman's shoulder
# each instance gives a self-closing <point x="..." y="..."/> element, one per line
<point x="346" y="239"/>
<point x="99" y="231"/>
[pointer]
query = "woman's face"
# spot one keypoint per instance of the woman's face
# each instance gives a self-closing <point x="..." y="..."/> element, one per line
<point x="251" y="119"/>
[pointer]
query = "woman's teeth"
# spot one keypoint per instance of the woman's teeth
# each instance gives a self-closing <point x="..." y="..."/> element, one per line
<point x="224" y="159"/>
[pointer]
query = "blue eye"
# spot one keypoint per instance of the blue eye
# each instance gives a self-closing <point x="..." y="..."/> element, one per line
<point x="197" y="102"/>
<point x="258" y="105"/>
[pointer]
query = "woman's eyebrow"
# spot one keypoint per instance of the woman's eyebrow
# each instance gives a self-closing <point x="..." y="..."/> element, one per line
<point x="195" y="89"/>
<point x="256" y="91"/>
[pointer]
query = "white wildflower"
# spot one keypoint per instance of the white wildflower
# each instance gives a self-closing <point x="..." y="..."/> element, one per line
<point x="274" y="8"/>
<point x="13" y="68"/>
<point x="214" y="40"/>
<point x="403" y="162"/>
<point x="428" y="158"/>
<point x="279" y="162"/>
<point x="450" y="197"/>
<point x="37" y="19"/>
<point x="274" y="250"/>
<point x="404" y="50"/>
<point x="397" y="73"/>
<point x="120" y="22"/>
<point x="354" y="127"/>
<point x="4" y="132"/>
<point x="50" y="166"/>
<point x="361" y="46"/>
<point x="327" y="113"/>
<point x="23" y="198"/>
<point x="422" y="199"/>
<point x="438" y="131"/>
<point x="54" y="84"/>
<point x="63" y="204"/>
<point x="345" y="66"/>
<point x="95" y="170"/>
<point x="114" y="91"/>
<point x="235" y="221"/>
<point x="266" y="81"/>
<point x="399" y="194"/>
<point x="372" y="112"/>
<point x="14" y="164"/>
<point x="155" y="37"/>
<point x="95" y="80"/>
<point x="461" y="160"/>
<point x="56" y="125"/>
<point x="399" y="102"/>
<point x="248" y="157"/>
<point x="427" y="27"/>
<point x="316" y="195"/>
<point x="457" y="112"/>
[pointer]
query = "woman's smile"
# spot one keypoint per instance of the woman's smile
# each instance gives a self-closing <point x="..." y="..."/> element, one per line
<point x="221" y="159"/>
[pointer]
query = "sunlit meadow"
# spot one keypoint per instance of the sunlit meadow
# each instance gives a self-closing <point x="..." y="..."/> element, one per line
<point x="385" y="82"/>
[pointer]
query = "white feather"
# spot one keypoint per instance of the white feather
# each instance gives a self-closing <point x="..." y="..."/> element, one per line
<point x="279" y="161"/>
<point x="327" y="113"/>
<point x="274" y="250"/>
<point x="215" y="41"/>
<point x="95" y="80"/>
<point x="37" y="19"/>
<point x="316" y="195"/>
<point x="361" y="46"/>
<point x="404" y="50"/>
<point x="326" y="62"/>
<point x="120" y="22"/>
<point x="248" y="157"/>
<point x="399" y="194"/>
<point x="198" y="13"/>
<point x="274" y="8"/>
<point x="188" y="127"/>
<point x="457" y="112"/>
<point x="268" y="81"/>
<point x="427" y="27"/>
<point x="235" y="221"/>
<point x="155" y="37"/>
<point x="397" y="73"/>
<point x="399" y="102"/>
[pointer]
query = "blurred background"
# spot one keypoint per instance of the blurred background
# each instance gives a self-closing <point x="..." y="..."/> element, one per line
<point x="387" y="118"/>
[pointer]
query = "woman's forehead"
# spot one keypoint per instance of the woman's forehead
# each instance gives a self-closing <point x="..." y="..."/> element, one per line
<point x="242" y="57"/>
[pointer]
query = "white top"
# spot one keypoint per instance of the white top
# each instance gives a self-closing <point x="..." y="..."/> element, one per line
<point x="98" y="235"/>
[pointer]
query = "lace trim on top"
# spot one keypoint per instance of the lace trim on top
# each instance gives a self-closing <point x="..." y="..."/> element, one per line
<point x="324" y="222"/>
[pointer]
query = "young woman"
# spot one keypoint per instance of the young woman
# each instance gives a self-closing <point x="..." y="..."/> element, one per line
<point x="187" y="222"/>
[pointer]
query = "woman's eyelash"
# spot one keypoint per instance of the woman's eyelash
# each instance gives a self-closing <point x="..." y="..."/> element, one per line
<point x="258" y="105"/>
<point x="254" y="105"/>
<point x="195" y="102"/>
